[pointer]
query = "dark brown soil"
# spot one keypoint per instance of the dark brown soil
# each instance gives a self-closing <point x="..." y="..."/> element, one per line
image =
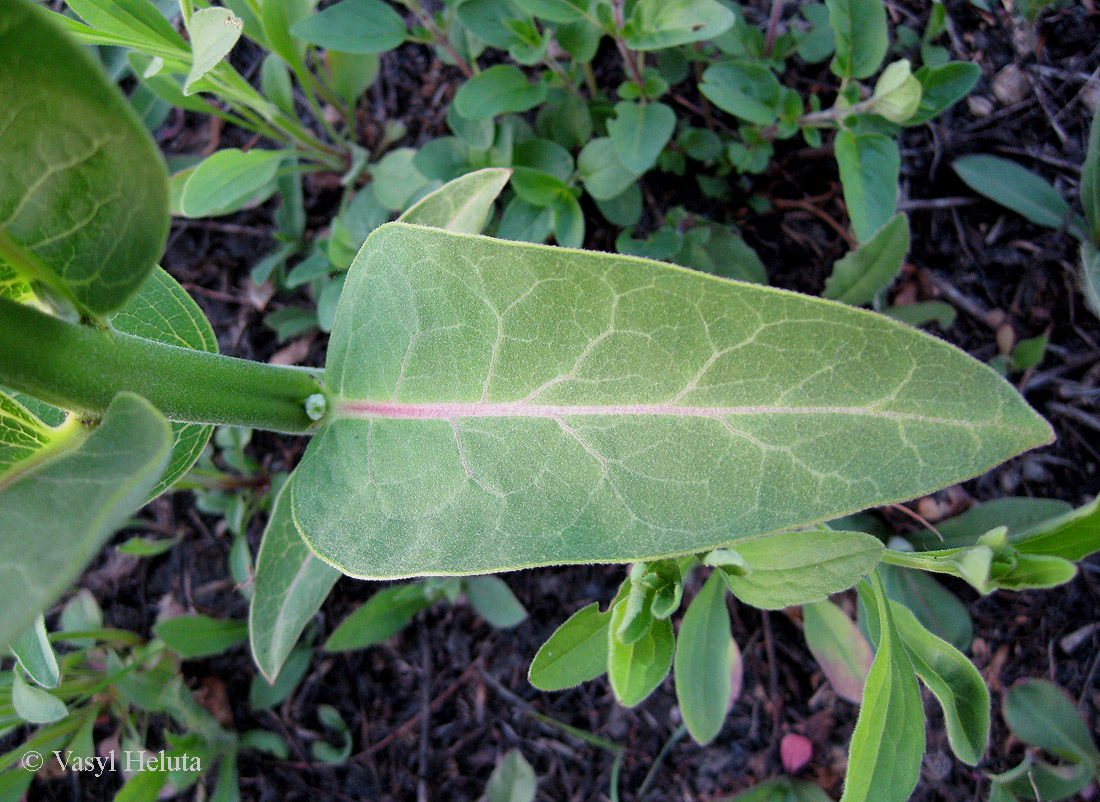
<point x="433" y="709"/>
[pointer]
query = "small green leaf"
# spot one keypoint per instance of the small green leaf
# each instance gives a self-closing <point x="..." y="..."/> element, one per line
<point x="498" y="90"/>
<point x="743" y="88"/>
<point x="395" y="179"/>
<point x="325" y="752"/>
<point x="353" y="26"/>
<point x="512" y="780"/>
<point x="872" y="267"/>
<point x="897" y="93"/>
<point x="838" y="647"/>
<point x="33" y="651"/>
<point x="818" y="43"/>
<point x="140" y="22"/>
<point x="84" y="198"/>
<point x="263" y="694"/>
<point x="575" y="653"/>
<point x="1014" y="187"/>
<point x="213" y="32"/>
<point x="34" y="705"/>
<point x="801" y="567"/>
<point x="494" y="601"/>
<point x="640" y="132"/>
<point x="138" y="546"/>
<point x="462" y="205"/>
<point x="942" y="87"/>
<point x="1072" y="535"/>
<point x="705" y="657"/>
<point x="869" y="165"/>
<point x="72" y="503"/>
<point x="1043" y="715"/>
<point x="229" y="179"/>
<point x="637" y="669"/>
<point x="603" y="173"/>
<point x="859" y="29"/>
<point x="291" y="584"/>
<point x="884" y="758"/>
<point x="383" y="615"/>
<point x="1090" y="184"/>
<point x="957" y="685"/>
<point x="659" y="24"/>
<point x="195" y="636"/>
<point x="783" y="789"/>
<point x="924" y="312"/>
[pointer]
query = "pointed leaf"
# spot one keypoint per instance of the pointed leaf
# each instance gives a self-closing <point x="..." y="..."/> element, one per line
<point x="1072" y="536"/>
<point x="33" y="651"/>
<point x="512" y="780"/>
<point x="213" y="32"/>
<point x="603" y="173"/>
<point x="353" y="26"/>
<point x="382" y="616"/>
<point x="957" y="685"/>
<point x="201" y="635"/>
<point x="499" y="405"/>
<point x="801" y="567"/>
<point x="68" y="506"/>
<point x="872" y="267"/>
<point x="291" y="584"/>
<point x="225" y="181"/>
<point x="1090" y="182"/>
<point x="884" y="758"/>
<point x="462" y="205"/>
<point x="640" y="132"/>
<point x="942" y="87"/>
<point x="869" y="165"/>
<point x="783" y="789"/>
<point x="936" y="608"/>
<point x="838" y="647"/>
<point x="1014" y="187"/>
<point x="575" y="653"/>
<point x="494" y="601"/>
<point x="83" y="191"/>
<point x="635" y="670"/>
<point x="704" y="652"/>
<point x="743" y="88"/>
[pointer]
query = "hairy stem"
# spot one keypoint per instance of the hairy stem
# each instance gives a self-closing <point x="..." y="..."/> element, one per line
<point x="82" y="368"/>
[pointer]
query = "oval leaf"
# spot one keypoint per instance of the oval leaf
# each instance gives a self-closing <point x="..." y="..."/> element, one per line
<point x="33" y="651"/>
<point x="213" y="32"/>
<point x="657" y="24"/>
<point x="859" y="30"/>
<point x="703" y="663"/>
<point x="872" y="267"/>
<point x="35" y="705"/>
<point x="497" y="90"/>
<point x="462" y="205"/>
<point x="575" y="653"/>
<point x="869" y="165"/>
<point x="227" y="180"/>
<point x="289" y="588"/>
<point x="201" y="635"/>
<point x="1014" y="187"/>
<point x="353" y="26"/>
<point x="838" y="647"/>
<point x="64" y="128"/>
<point x="383" y="615"/>
<point x="1043" y="715"/>
<point x="494" y="601"/>
<point x="500" y="405"/>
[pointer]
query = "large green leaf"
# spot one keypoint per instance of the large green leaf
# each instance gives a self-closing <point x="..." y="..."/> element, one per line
<point x="290" y="586"/>
<point x="859" y="28"/>
<point x="705" y="656"/>
<point x="500" y="405"/>
<point x="58" y="515"/>
<point x="462" y="205"/>
<point x="83" y="191"/>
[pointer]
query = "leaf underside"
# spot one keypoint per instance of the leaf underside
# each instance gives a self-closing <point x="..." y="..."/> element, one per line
<point x="500" y="405"/>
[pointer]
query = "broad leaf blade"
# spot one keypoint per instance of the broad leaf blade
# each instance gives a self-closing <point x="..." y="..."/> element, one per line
<point x="869" y="165"/>
<point x="37" y="657"/>
<point x="575" y="653"/>
<point x="640" y="132"/>
<point x="201" y="635"/>
<point x="83" y="191"/>
<point x="57" y="516"/>
<point x="353" y="26"/>
<point x="213" y="32"/>
<point x="704" y="660"/>
<point x="290" y="586"/>
<point x="957" y="685"/>
<point x="859" y="29"/>
<point x="227" y="180"/>
<point x="1043" y="715"/>
<point x="462" y="205"/>
<point x="500" y="405"/>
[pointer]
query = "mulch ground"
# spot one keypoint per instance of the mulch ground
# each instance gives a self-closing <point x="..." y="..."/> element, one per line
<point x="432" y="709"/>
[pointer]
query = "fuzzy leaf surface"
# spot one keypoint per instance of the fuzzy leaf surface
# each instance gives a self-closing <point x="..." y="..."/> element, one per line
<point x="498" y="405"/>
<point x="83" y="190"/>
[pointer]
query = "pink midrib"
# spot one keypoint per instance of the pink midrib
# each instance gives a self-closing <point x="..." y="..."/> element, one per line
<point x="445" y="411"/>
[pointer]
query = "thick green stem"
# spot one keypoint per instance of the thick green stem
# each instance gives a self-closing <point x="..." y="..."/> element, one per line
<point x="82" y="368"/>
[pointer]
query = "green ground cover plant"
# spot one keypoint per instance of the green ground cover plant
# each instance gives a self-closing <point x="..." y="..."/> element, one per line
<point x="490" y="404"/>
